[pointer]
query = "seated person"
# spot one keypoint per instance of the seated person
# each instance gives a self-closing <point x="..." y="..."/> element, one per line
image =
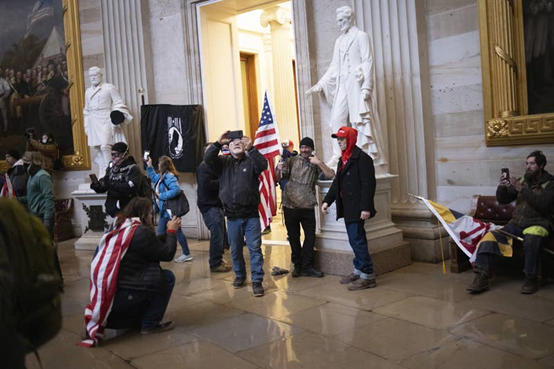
<point x="531" y="220"/>
<point x="143" y="287"/>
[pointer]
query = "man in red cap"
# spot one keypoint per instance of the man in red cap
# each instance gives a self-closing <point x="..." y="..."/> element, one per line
<point x="353" y="189"/>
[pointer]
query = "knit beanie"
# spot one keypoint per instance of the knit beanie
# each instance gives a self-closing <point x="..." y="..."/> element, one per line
<point x="120" y="147"/>
<point x="306" y="141"/>
<point x="14" y="154"/>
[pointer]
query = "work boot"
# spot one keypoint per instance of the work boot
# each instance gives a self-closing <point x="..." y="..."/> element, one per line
<point x="297" y="271"/>
<point x="310" y="271"/>
<point x="362" y="284"/>
<point x="258" y="289"/>
<point x="239" y="282"/>
<point x="530" y="286"/>
<point x="349" y="278"/>
<point x="480" y="283"/>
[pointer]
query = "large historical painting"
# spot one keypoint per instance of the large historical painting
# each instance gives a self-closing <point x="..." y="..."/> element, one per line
<point x="34" y="77"/>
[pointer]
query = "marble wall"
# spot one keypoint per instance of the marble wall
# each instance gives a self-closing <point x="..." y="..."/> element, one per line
<point x="464" y="165"/>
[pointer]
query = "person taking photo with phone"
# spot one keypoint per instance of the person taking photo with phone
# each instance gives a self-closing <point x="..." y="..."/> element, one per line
<point x="166" y="187"/>
<point x="239" y="192"/>
<point x="122" y="182"/>
<point x="531" y="220"/>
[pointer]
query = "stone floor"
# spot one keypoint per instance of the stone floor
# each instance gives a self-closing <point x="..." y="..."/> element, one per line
<point x="417" y="317"/>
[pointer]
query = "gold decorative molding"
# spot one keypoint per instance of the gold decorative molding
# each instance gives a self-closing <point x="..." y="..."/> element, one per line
<point x="504" y="78"/>
<point x="497" y="128"/>
<point x="80" y="160"/>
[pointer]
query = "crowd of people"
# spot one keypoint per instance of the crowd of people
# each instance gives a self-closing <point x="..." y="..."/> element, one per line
<point x="228" y="199"/>
<point x="17" y="84"/>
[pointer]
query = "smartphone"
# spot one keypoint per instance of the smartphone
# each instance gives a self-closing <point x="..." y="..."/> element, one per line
<point x="235" y="134"/>
<point x="506" y="173"/>
<point x="93" y="178"/>
<point x="170" y="213"/>
<point x="146" y="154"/>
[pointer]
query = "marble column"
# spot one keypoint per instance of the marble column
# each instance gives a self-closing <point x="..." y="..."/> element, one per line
<point x="398" y="30"/>
<point x="284" y="99"/>
<point x="126" y="48"/>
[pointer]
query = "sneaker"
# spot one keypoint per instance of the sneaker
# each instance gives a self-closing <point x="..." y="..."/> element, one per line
<point x="530" y="286"/>
<point x="480" y="283"/>
<point x="349" y="278"/>
<point x="183" y="258"/>
<point x="296" y="272"/>
<point x="311" y="272"/>
<point x="221" y="268"/>
<point x="239" y="282"/>
<point x="160" y="327"/>
<point x="258" y="289"/>
<point x="362" y="284"/>
<point x="267" y="230"/>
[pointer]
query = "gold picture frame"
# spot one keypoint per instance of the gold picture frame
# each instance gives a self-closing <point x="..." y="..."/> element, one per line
<point x="80" y="159"/>
<point x="506" y="111"/>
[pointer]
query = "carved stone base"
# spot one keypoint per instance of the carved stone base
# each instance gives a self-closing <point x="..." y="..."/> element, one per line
<point x="84" y="195"/>
<point x="386" y="244"/>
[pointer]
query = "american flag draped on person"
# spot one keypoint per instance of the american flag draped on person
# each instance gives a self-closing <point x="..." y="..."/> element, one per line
<point x="267" y="142"/>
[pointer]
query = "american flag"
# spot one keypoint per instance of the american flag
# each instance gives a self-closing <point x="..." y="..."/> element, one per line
<point x="267" y="142"/>
<point x="42" y="9"/>
<point x="104" y="271"/>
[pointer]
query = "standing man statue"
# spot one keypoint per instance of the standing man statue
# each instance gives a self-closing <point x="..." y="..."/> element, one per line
<point x="104" y="111"/>
<point x="348" y="86"/>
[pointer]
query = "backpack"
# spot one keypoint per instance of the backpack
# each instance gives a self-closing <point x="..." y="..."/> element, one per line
<point x="145" y="188"/>
<point x="35" y="299"/>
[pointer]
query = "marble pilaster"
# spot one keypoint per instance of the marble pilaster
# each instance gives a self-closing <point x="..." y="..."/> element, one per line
<point x="280" y="21"/>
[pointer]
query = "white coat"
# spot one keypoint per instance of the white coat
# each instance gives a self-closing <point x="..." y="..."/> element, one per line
<point x="100" y="101"/>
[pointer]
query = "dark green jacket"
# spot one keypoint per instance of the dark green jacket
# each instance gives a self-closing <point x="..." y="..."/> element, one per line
<point x="40" y="197"/>
<point x="535" y="202"/>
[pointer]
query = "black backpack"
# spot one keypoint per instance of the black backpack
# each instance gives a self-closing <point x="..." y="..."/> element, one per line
<point x="145" y="189"/>
<point x="35" y="298"/>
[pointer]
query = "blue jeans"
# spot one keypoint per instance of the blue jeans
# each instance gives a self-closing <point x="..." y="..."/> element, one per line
<point x="162" y="228"/>
<point x="363" y="265"/>
<point x="132" y="308"/>
<point x="215" y="221"/>
<point x="237" y="229"/>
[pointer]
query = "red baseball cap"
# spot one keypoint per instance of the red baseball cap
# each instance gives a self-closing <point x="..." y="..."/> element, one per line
<point x="342" y="132"/>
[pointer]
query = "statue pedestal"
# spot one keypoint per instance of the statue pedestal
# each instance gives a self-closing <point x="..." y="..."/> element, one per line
<point x="387" y="247"/>
<point x="85" y="196"/>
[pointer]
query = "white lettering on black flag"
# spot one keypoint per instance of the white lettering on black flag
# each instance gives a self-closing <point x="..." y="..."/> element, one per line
<point x="176" y="131"/>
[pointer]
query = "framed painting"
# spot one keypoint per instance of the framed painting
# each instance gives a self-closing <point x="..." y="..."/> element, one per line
<point x="41" y="78"/>
<point x="517" y="54"/>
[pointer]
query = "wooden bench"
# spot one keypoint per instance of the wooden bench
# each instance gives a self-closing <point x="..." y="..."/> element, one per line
<point x="487" y="209"/>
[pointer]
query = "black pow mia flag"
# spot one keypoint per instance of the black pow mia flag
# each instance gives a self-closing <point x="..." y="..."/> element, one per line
<point x="176" y="131"/>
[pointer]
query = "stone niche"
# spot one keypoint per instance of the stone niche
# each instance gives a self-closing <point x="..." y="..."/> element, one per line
<point x="386" y="245"/>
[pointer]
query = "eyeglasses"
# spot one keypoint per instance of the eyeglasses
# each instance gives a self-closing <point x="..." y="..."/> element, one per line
<point x="116" y="154"/>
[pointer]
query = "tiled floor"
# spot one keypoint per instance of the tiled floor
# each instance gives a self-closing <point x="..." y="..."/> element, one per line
<point x="417" y="317"/>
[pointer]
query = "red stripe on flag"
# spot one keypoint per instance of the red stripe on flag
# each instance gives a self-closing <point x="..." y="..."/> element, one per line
<point x="267" y="132"/>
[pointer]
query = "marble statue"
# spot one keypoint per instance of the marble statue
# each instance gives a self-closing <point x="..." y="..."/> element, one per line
<point x="105" y="112"/>
<point x="348" y="86"/>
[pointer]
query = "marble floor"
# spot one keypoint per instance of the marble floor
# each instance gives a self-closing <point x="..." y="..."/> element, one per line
<point x="417" y="317"/>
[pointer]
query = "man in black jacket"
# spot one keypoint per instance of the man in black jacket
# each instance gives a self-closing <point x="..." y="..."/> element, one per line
<point x="17" y="173"/>
<point x="239" y="193"/>
<point x="353" y="189"/>
<point x="123" y="180"/>
<point x="531" y="220"/>
<point x="212" y="212"/>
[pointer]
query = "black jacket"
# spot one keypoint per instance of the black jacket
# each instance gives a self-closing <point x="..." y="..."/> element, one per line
<point x="19" y="176"/>
<point x="208" y="188"/>
<point x="354" y="187"/>
<point x="140" y="267"/>
<point x="535" y="202"/>
<point x="122" y="182"/>
<point x="238" y="180"/>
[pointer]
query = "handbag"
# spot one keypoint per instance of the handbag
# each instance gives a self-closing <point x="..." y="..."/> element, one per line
<point x="179" y="205"/>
